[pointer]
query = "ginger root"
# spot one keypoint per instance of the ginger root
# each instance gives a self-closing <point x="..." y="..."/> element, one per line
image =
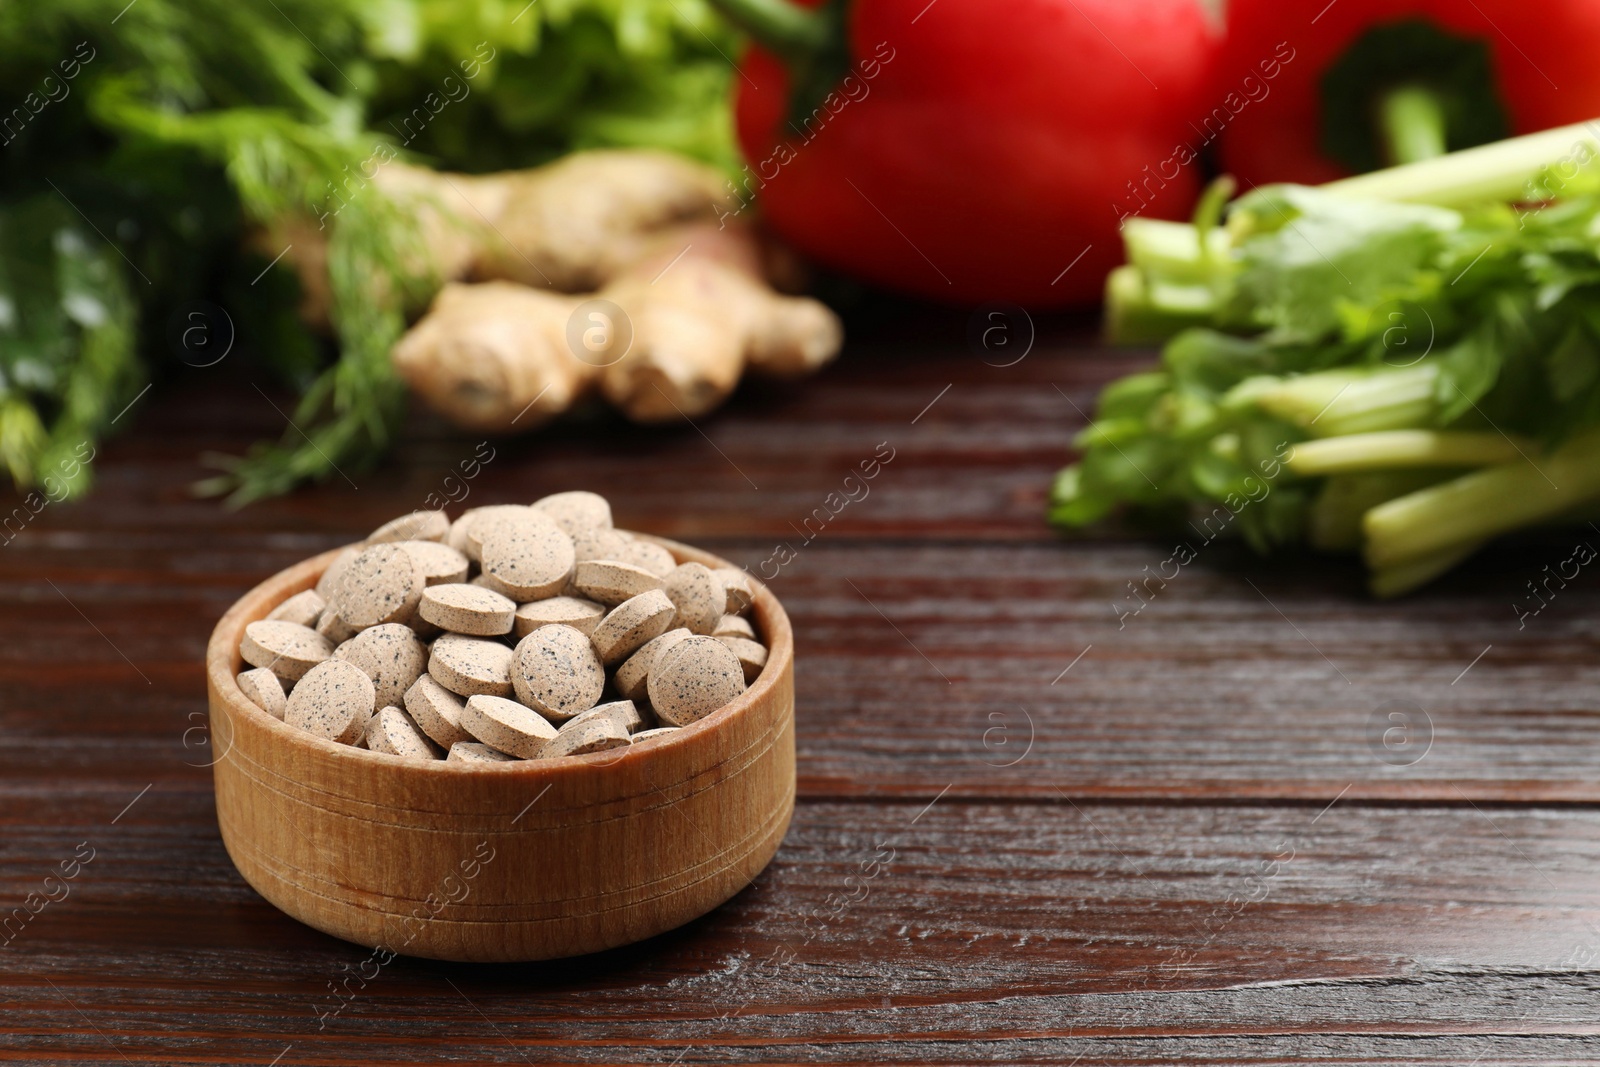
<point x="634" y="228"/>
<point x="695" y="312"/>
<point x="571" y="225"/>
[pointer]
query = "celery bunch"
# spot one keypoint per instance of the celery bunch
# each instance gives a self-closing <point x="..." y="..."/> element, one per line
<point x="1406" y="363"/>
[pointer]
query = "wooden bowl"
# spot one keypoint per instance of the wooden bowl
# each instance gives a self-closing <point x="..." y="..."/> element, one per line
<point x="526" y="860"/>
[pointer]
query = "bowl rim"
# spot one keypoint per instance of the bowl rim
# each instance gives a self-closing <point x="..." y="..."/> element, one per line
<point x="223" y="660"/>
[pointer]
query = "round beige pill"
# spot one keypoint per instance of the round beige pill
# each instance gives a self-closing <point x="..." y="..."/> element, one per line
<point x="383" y="584"/>
<point x="468" y="609"/>
<point x="752" y="655"/>
<point x="576" y="510"/>
<point x="393" y="732"/>
<point x="468" y="666"/>
<point x="441" y="564"/>
<point x="391" y="656"/>
<point x="599" y="543"/>
<point x="457" y="537"/>
<point x="507" y="726"/>
<point x="416" y="526"/>
<point x="740" y="589"/>
<point x="529" y="558"/>
<point x="610" y="582"/>
<point x="698" y="595"/>
<point x="630" y="624"/>
<point x="659" y="731"/>
<point x="287" y="649"/>
<point x="624" y="713"/>
<point x="476" y="752"/>
<point x="594" y="735"/>
<point x="479" y="521"/>
<point x="576" y="612"/>
<point x="557" y="672"/>
<point x="633" y="676"/>
<point x="303" y="608"/>
<point x="734" y="626"/>
<point x="335" y="629"/>
<point x="697" y="676"/>
<point x="436" y="711"/>
<point x="262" y="688"/>
<point x="334" y="700"/>
<point x="647" y="555"/>
<point x="330" y="577"/>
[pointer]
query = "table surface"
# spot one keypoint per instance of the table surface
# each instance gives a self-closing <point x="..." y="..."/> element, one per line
<point x="1033" y="825"/>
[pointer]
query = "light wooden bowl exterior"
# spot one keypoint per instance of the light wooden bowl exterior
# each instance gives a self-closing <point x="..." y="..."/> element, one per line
<point x="501" y="862"/>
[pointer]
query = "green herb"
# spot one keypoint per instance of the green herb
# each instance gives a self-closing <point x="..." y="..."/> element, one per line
<point x="1405" y="363"/>
<point x="142" y="145"/>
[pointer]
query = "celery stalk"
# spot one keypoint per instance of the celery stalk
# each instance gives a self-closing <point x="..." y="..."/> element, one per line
<point x="1171" y="250"/>
<point x="1484" y="504"/>
<point x="1334" y="522"/>
<point x="1139" y="311"/>
<point x="1403" y="448"/>
<point x="1338" y="402"/>
<point x="1389" y="582"/>
<point x="1413" y="122"/>
<point x="1505" y="171"/>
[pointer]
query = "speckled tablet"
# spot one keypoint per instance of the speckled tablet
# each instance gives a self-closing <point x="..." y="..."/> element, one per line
<point x="440" y="564"/>
<point x="594" y="735"/>
<point x="576" y="612"/>
<point x="752" y="655"/>
<point x="287" y="649"/>
<point x="436" y="711"/>
<point x="633" y="675"/>
<point x="625" y="713"/>
<point x="392" y="732"/>
<point x="468" y="609"/>
<point x="698" y="595"/>
<point x="335" y="572"/>
<point x="477" y="752"/>
<point x="506" y="725"/>
<point x="303" y="608"/>
<point x="576" y="510"/>
<point x="382" y="584"/>
<point x="415" y="526"/>
<point x="697" y="676"/>
<point x="734" y="626"/>
<point x="599" y="543"/>
<point x="529" y="557"/>
<point x="630" y="624"/>
<point x="740" y="589"/>
<point x="649" y="556"/>
<point x="391" y="655"/>
<point x="334" y="700"/>
<point x="468" y="666"/>
<point x="262" y="688"/>
<point x="610" y="582"/>
<point x="557" y="672"/>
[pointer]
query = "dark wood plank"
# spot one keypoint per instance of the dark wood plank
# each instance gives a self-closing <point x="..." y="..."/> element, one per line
<point x="1081" y="896"/>
<point x="959" y="932"/>
<point x="933" y="666"/>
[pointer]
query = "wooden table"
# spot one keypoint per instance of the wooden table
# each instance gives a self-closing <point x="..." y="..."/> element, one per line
<point x="1262" y="820"/>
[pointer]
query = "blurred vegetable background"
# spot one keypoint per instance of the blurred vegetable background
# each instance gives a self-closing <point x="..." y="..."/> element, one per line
<point x="144" y="144"/>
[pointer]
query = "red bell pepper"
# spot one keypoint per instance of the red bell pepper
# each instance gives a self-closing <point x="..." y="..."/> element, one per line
<point x="971" y="150"/>
<point x="1375" y="82"/>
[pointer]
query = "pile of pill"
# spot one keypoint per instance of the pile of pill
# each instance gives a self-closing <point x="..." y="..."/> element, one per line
<point x="514" y="632"/>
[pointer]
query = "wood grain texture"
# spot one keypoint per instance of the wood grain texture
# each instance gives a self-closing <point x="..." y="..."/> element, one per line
<point x="1105" y="897"/>
<point x="959" y="932"/>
